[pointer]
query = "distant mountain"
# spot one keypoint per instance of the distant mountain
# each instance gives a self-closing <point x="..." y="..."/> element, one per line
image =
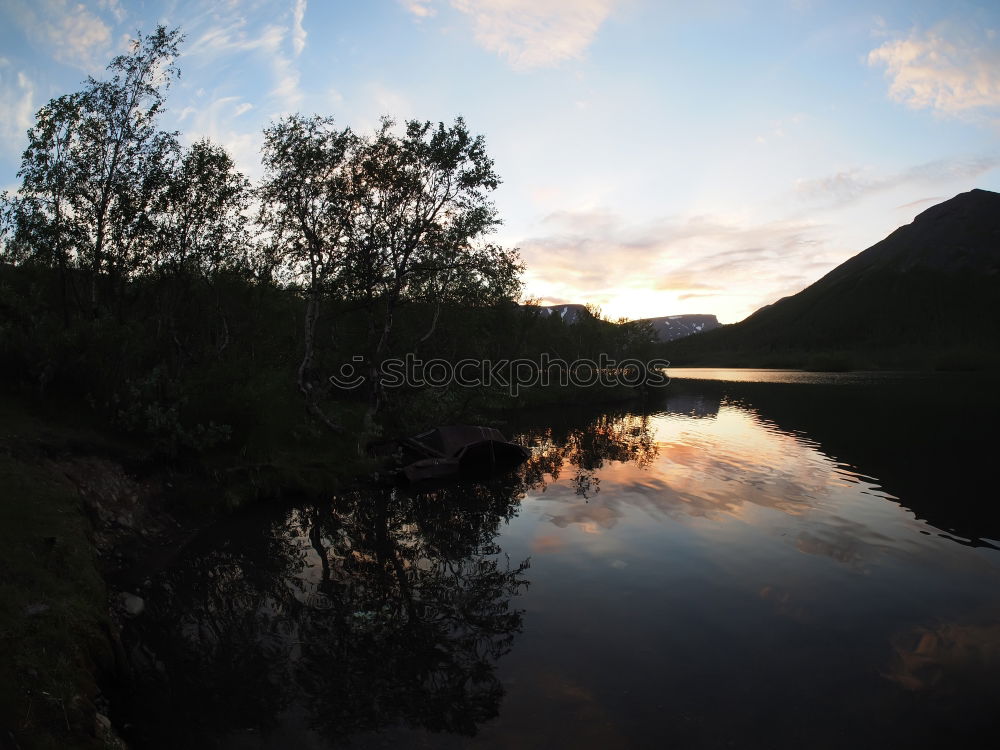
<point x="673" y="327"/>
<point x="667" y="328"/>
<point x="569" y="313"/>
<point x="927" y="293"/>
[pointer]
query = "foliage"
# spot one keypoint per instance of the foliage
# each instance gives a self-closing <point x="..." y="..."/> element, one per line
<point x="201" y="217"/>
<point x="94" y="167"/>
<point x="155" y="283"/>
<point x="376" y="223"/>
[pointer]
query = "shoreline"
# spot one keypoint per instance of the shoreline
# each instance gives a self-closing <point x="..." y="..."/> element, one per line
<point x="121" y="512"/>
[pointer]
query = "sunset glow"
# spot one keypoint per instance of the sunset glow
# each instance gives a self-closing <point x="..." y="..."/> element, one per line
<point x="656" y="160"/>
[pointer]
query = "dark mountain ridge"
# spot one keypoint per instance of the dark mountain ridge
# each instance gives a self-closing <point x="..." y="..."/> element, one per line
<point x="928" y="292"/>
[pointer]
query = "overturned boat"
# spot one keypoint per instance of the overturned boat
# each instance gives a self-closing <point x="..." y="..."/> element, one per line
<point x="446" y="452"/>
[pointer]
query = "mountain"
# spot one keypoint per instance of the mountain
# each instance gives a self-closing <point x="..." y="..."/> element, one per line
<point x="926" y="294"/>
<point x="667" y="328"/>
<point x="569" y="313"/>
<point x="673" y="327"/>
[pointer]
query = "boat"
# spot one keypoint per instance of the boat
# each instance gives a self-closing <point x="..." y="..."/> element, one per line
<point x="454" y="450"/>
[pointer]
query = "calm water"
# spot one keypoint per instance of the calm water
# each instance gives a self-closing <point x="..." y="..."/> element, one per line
<point x="761" y="375"/>
<point x="728" y="565"/>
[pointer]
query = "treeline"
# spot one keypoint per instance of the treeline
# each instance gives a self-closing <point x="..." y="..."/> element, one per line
<point x="155" y="283"/>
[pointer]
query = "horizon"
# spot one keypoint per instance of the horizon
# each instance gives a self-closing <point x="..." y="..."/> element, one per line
<point x="669" y="161"/>
<point x="808" y="284"/>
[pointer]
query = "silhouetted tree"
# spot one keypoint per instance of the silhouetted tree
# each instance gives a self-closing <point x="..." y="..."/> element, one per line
<point x="422" y="211"/>
<point x="307" y="208"/>
<point x="201" y="215"/>
<point x="94" y="167"/>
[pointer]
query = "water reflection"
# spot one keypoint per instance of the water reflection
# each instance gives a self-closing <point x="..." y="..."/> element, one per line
<point x="770" y="375"/>
<point x="585" y="449"/>
<point x="950" y="655"/>
<point x="376" y="608"/>
<point x="724" y="555"/>
<point x="691" y="457"/>
<point x="921" y="436"/>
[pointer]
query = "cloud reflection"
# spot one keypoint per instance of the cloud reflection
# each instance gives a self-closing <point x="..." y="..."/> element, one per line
<point x="697" y="459"/>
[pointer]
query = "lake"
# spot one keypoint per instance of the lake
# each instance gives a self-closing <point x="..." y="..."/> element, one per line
<point x="740" y="560"/>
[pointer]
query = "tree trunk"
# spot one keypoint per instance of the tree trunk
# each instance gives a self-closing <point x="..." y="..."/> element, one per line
<point x="307" y="389"/>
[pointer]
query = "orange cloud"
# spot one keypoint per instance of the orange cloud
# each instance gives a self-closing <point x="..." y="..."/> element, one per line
<point x="546" y="543"/>
<point x="595" y="256"/>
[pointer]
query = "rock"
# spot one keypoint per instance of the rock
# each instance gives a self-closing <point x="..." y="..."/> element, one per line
<point x="133" y="605"/>
<point x="110" y="495"/>
<point x="102" y="725"/>
<point x="106" y="733"/>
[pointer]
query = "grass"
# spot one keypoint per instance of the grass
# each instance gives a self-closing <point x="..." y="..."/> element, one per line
<point x="54" y="629"/>
<point x="55" y="633"/>
<point x="56" y="638"/>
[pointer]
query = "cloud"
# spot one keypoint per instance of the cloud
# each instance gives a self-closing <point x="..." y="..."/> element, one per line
<point x="851" y="185"/>
<point x="17" y="108"/>
<point x="228" y="37"/>
<point x="419" y="8"/>
<point x="950" y="69"/>
<point x="779" y="128"/>
<point x="114" y="7"/>
<point x="286" y="88"/>
<point x="218" y="121"/>
<point x="921" y="202"/>
<point x="529" y="33"/>
<point x="385" y="101"/>
<point x="536" y="33"/>
<point x="298" y="30"/>
<point x="594" y="256"/>
<point x="71" y="33"/>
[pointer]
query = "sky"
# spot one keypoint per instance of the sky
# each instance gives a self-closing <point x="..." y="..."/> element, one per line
<point x="657" y="158"/>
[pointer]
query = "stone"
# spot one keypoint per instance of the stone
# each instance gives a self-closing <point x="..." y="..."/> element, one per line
<point x="134" y="605"/>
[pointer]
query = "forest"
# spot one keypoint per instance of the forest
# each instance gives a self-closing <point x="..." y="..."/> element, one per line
<point x="150" y="284"/>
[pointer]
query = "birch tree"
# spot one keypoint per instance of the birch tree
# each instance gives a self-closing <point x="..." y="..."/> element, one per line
<point x="94" y="165"/>
<point x="306" y="209"/>
<point x="421" y="210"/>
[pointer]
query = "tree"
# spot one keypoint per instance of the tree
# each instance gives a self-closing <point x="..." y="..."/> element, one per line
<point x="94" y="165"/>
<point x="380" y="221"/>
<point x="39" y="219"/>
<point x="306" y="208"/>
<point x="200" y="215"/>
<point x="202" y="231"/>
<point x="421" y="208"/>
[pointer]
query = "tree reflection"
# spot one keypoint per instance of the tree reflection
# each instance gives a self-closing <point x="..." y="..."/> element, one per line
<point x="584" y="450"/>
<point x="422" y="590"/>
<point x="379" y="608"/>
<point x="374" y="609"/>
